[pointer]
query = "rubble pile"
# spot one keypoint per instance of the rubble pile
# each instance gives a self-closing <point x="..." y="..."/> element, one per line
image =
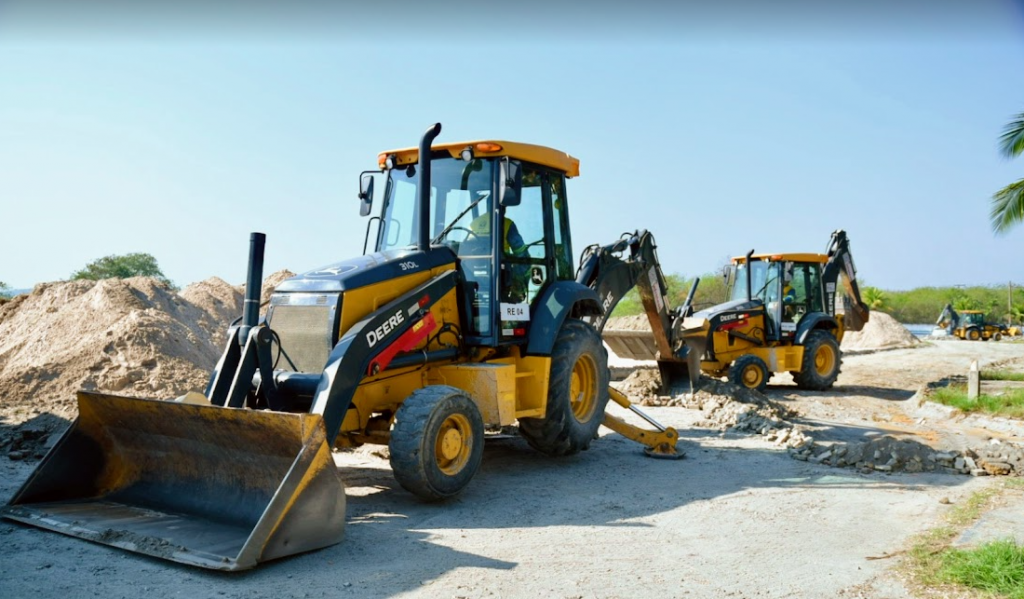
<point x="728" y="407"/>
<point x="887" y="454"/>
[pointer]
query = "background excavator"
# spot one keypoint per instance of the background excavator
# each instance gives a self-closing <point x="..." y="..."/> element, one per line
<point x="438" y="334"/>
<point x="781" y="317"/>
<point x="969" y="324"/>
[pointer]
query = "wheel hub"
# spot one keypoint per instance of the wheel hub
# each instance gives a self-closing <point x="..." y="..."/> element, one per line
<point x="582" y="388"/>
<point x="824" y="360"/>
<point x="751" y="376"/>
<point x="453" y="443"/>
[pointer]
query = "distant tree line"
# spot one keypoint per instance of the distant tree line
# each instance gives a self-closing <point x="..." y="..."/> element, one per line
<point x="916" y="306"/>
<point x="923" y="305"/>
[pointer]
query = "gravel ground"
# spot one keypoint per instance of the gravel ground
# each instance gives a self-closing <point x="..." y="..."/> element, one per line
<point x="737" y="518"/>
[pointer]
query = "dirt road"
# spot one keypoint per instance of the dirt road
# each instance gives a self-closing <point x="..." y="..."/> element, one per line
<point x="737" y="518"/>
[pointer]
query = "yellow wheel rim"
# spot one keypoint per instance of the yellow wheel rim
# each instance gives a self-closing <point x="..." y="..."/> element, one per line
<point x="752" y="376"/>
<point x="453" y="444"/>
<point x="824" y="360"/>
<point x="583" y="388"/>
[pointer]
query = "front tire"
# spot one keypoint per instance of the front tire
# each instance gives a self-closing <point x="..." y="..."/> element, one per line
<point x="437" y="442"/>
<point x="577" y="393"/>
<point x="822" y="360"/>
<point x="749" y="371"/>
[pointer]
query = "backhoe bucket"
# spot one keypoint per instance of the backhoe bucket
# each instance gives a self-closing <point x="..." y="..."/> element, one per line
<point x="203" y="485"/>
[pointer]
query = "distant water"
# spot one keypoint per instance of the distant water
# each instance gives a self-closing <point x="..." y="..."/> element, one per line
<point x="920" y="330"/>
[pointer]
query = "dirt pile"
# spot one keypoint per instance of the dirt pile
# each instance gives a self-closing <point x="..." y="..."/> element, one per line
<point x="130" y="336"/>
<point x="881" y="332"/>
<point x="643" y="386"/>
<point x="221" y="302"/>
<point x="125" y="336"/>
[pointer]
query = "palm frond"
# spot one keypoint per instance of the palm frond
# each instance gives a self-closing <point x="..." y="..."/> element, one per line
<point x="1007" y="207"/>
<point x="1011" y="142"/>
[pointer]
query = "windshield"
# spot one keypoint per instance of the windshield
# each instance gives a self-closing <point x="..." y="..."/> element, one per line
<point x="974" y="318"/>
<point x="459" y="192"/>
<point x="762" y="278"/>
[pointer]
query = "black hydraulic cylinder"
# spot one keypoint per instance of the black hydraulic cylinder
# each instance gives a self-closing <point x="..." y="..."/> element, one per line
<point x="423" y="241"/>
<point x="253" y="285"/>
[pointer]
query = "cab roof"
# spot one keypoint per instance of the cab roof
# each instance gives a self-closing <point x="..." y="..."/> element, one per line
<point x="541" y="155"/>
<point x="791" y="257"/>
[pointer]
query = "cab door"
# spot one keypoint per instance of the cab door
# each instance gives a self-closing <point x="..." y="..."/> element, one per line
<point x="533" y="240"/>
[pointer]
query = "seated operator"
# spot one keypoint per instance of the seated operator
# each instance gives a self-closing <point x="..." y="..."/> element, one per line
<point x="513" y="245"/>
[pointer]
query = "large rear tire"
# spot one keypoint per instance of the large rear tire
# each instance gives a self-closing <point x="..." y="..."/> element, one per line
<point x="822" y="360"/>
<point x="437" y="442"/>
<point x="973" y="334"/>
<point x="577" y="393"/>
<point x="749" y="371"/>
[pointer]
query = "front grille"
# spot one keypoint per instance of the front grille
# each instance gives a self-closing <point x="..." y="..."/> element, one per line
<point x="305" y="332"/>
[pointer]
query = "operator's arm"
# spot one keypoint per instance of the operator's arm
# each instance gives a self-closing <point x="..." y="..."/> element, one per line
<point x="516" y="245"/>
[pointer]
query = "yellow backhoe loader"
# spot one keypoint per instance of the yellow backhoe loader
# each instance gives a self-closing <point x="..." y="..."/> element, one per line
<point x="781" y="317"/>
<point x="466" y="314"/>
<point x="970" y="325"/>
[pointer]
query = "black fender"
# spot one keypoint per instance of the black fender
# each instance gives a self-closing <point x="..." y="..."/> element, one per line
<point x="351" y="356"/>
<point x="562" y="300"/>
<point x="814" y="321"/>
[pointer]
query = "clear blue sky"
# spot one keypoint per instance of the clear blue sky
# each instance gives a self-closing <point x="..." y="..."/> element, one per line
<point x="176" y="131"/>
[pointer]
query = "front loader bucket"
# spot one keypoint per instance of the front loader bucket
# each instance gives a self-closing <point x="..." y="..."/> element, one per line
<point x="208" y="486"/>
<point x="633" y="345"/>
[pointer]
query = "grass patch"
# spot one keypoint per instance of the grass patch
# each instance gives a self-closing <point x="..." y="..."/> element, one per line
<point x="1001" y="375"/>
<point x="1009" y="404"/>
<point x="996" y="567"/>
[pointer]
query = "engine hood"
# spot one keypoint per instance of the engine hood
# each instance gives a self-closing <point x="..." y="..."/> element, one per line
<point x="730" y="306"/>
<point x="368" y="269"/>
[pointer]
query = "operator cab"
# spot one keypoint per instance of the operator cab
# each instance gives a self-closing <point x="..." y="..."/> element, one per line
<point x="500" y="209"/>
<point x="973" y="317"/>
<point x="787" y="285"/>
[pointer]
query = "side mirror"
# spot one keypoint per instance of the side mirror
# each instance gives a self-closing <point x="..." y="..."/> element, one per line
<point x="366" y="192"/>
<point x="510" y="180"/>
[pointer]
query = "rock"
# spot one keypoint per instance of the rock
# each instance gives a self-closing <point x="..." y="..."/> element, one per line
<point x="996" y="468"/>
<point x="959" y="463"/>
<point x="820" y="458"/>
<point x="16" y="455"/>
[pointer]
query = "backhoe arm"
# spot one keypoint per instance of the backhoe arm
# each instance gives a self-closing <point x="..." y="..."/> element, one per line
<point x="840" y="263"/>
<point x="614" y="269"/>
<point x="949" y="318"/>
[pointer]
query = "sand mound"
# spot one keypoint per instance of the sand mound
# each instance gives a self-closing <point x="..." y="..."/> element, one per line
<point x="130" y="336"/>
<point x="881" y="332"/>
<point x="124" y="336"/>
<point x="220" y="302"/>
